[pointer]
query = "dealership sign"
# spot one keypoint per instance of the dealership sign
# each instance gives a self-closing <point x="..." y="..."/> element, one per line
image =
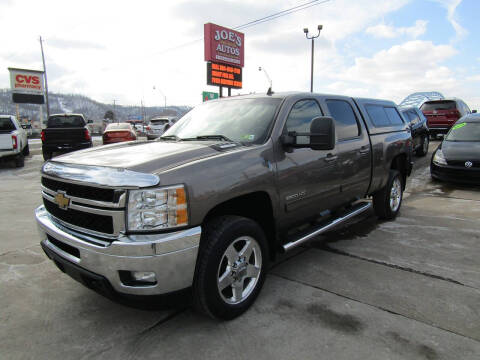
<point x="223" y="45"/>
<point x="224" y="75"/>
<point x="27" y="86"/>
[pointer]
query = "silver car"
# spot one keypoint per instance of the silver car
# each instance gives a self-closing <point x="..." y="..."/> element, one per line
<point x="158" y="125"/>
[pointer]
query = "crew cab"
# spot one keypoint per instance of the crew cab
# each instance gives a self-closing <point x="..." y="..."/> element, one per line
<point x="65" y="133"/>
<point x="13" y="140"/>
<point x="208" y="205"/>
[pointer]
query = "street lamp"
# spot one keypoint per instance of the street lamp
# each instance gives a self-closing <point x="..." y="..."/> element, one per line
<point x="164" y="97"/>
<point x="305" y="30"/>
<point x="269" y="91"/>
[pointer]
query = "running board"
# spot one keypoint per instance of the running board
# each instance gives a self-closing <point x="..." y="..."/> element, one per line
<point x="328" y="226"/>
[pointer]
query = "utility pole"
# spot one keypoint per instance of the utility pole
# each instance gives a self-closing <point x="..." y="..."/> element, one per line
<point x="164" y="97"/>
<point x="305" y="30"/>
<point x="114" y="116"/>
<point x="45" y="76"/>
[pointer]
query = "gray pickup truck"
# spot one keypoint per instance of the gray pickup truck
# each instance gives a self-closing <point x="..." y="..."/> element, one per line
<point x="206" y="207"/>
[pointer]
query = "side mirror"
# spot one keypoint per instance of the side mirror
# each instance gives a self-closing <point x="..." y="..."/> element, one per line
<point x="474" y="111"/>
<point x="321" y="135"/>
<point x="89" y="121"/>
<point x="322" y="131"/>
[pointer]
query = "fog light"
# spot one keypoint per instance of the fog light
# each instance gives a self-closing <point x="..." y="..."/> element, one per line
<point x="144" y="276"/>
<point x="138" y="278"/>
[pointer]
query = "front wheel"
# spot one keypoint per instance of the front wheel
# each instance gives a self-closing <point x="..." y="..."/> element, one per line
<point x="47" y="155"/>
<point x="231" y="267"/>
<point x="387" y="202"/>
<point x="423" y="149"/>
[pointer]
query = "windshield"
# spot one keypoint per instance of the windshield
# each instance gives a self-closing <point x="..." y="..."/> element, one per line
<point x="65" y="121"/>
<point x="242" y="120"/>
<point x="6" y="124"/>
<point x="439" y="105"/>
<point x="119" y="126"/>
<point x="464" y="132"/>
<point x="158" y="122"/>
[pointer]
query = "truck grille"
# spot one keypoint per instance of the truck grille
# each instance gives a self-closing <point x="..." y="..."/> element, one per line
<point x="88" y="221"/>
<point x="97" y="212"/>
<point x="82" y="191"/>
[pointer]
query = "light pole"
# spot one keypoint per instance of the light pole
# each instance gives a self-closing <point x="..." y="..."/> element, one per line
<point x="305" y="30"/>
<point x="164" y="97"/>
<point x="269" y="91"/>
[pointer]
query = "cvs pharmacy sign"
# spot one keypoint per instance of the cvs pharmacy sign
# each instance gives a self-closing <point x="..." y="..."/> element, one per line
<point x="24" y="81"/>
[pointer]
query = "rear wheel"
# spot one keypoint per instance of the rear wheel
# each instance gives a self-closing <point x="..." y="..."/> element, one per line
<point x="231" y="267"/>
<point x="423" y="149"/>
<point x="47" y="155"/>
<point x="26" y="150"/>
<point x="20" y="160"/>
<point x="387" y="202"/>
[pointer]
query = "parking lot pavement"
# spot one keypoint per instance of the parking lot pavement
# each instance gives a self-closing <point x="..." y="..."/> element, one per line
<point x="407" y="289"/>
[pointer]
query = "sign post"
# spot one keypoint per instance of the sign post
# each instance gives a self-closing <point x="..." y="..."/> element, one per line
<point x="224" y="53"/>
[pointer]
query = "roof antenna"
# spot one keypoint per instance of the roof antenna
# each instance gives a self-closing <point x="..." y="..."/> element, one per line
<point x="269" y="91"/>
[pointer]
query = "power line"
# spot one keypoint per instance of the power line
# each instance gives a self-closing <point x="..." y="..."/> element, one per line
<point x="256" y="22"/>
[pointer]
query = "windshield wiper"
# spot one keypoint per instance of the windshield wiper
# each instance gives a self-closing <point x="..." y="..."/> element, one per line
<point x="213" y="137"/>
<point x="170" y="137"/>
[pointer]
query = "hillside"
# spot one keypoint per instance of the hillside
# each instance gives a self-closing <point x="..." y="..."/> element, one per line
<point x="94" y="110"/>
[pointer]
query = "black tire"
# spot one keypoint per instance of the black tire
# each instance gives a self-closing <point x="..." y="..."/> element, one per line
<point x="20" y="160"/>
<point x="423" y="149"/>
<point x="382" y="205"/>
<point x="26" y="150"/>
<point x="46" y="155"/>
<point x="220" y="234"/>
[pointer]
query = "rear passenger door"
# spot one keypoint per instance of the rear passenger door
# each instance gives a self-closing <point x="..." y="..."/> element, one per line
<point x="353" y="149"/>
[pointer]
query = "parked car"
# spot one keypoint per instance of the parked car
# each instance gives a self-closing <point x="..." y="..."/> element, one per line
<point x="28" y="129"/>
<point x="457" y="158"/>
<point x="205" y="208"/>
<point x="13" y="140"/>
<point x="442" y="114"/>
<point x="419" y="128"/>
<point x="157" y="126"/>
<point x="65" y="133"/>
<point x="118" y="132"/>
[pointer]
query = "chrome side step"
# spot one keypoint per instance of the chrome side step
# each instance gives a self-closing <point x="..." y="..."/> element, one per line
<point x="358" y="210"/>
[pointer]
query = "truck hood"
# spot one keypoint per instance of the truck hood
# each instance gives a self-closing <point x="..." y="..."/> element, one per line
<point x="145" y="156"/>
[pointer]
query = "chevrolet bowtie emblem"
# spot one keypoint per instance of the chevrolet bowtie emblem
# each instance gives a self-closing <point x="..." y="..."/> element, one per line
<point x="62" y="201"/>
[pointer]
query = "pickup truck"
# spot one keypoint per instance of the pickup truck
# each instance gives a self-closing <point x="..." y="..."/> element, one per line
<point x="13" y="140"/>
<point x="65" y="133"/>
<point x="206" y="207"/>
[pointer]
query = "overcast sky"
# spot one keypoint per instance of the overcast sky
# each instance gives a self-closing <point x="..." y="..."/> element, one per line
<point x="121" y="49"/>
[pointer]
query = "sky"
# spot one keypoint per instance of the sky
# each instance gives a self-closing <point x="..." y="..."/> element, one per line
<point x="146" y="51"/>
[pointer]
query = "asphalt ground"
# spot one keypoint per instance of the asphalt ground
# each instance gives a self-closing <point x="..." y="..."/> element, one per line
<point x="406" y="289"/>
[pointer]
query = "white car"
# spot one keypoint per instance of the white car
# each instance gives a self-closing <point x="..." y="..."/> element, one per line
<point x="13" y="140"/>
<point x="158" y="125"/>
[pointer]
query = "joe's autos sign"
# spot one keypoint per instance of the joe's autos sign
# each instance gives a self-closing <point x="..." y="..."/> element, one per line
<point x="223" y="45"/>
<point x="27" y="86"/>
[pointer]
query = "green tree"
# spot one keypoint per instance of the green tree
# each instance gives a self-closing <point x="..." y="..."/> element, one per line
<point x="109" y="115"/>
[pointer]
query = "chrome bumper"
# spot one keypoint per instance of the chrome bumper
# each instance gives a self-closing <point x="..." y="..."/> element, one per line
<point x="172" y="256"/>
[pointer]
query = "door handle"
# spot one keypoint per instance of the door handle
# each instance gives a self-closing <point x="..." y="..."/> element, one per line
<point x="330" y="157"/>
<point x="364" y="150"/>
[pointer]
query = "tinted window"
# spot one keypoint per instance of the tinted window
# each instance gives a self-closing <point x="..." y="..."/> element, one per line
<point x="346" y="124"/>
<point x="159" y="122"/>
<point x="301" y="116"/>
<point x="6" y="124"/>
<point x="411" y="116"/>
<point x="439" y="105"/>
<point x="65" y="121"/>
<point x="377" y="115"/>
<point x="393" y="116"/>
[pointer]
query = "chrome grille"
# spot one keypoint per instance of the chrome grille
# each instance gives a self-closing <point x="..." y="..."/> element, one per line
<point x="96" y="211"/>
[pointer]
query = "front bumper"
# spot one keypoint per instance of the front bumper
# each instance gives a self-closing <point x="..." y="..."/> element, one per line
<point x="171" y="256"/>
<point x="455" y="174"/>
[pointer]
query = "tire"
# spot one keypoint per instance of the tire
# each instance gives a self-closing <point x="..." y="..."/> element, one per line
<point x="20" y="160"/>
<point x="227" y="283"/>
<point x="423" y="149"/>
<point x="387" y="202"/>
<point x="46" y="155"/>
<point x="26" y="150"/>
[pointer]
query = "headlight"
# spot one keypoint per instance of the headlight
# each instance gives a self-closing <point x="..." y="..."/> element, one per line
<point x="156" y="209"/>
<point x="438" y="158"/>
